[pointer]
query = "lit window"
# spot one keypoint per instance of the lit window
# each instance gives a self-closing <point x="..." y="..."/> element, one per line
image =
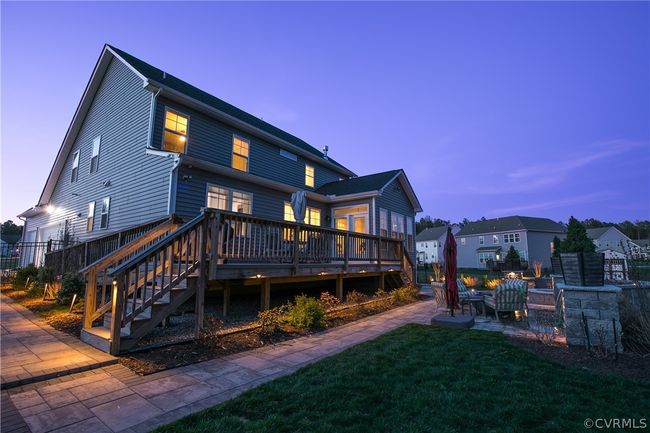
<point x="481" y="240"/>
<point x="309" y="175"/>
<point x="312" y="214"/>
<point x="75" y="167"/>
<point x="228" y="200"/>
<point x="383" y="223"/>
<point x="462" y="241"/>
<point x="94" y="158"/>
<point x="90" y="220"/>
<point x="397" y="226"/>
<point x="240" y="153"/>
<point x="106" y="204"/>
<point x="288" y="212"/>
<point x="175" y="137"/>
<point x="241" y="202"/>
<point x="495" y="239"/>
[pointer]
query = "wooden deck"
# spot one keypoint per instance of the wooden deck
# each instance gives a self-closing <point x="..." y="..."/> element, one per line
<point x="132" y="290"/>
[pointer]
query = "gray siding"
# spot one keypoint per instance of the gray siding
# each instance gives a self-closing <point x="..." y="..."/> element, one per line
<point x="468" y="257"/>
<point x="612" y="239"/>
<point x="267" y="203"/>
<point x="211" y="140"/>
<point x="139" y="183"/>
<point x="539" y="247"/>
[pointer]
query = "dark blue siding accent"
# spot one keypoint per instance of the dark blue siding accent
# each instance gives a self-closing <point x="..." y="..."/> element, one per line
<point x="394" y="199"/>
<point x="139" y="183"/>
<point x="267" y="203"/>
<point x="211" y="140"/>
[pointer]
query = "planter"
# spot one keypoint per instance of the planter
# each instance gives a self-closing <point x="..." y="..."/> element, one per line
<point x="556" y="265"/>
<point x="543" y="283"/>
<point x="583" y="269"/>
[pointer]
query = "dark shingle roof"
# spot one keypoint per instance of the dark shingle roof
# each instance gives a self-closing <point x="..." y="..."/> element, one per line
<point x="181" y="86"/>
<point x="371" y="182"/>
<point x="430" y="234"/>
<point x="511" y="223"/>
<point x="597" y="232"/>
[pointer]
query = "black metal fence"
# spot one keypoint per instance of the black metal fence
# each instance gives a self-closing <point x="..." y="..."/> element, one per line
<point x="20" y="254"/>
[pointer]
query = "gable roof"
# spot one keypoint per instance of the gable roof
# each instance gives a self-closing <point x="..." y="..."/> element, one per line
<point x="511" y="223"/>
<point x="376" y="182"/>
<point x="431" y="233"/>
<point x="169" y="80"/>
<point x="597" y="232"/>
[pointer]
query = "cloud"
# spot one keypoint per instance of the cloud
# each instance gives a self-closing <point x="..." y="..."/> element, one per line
<point x="554" y="204"/>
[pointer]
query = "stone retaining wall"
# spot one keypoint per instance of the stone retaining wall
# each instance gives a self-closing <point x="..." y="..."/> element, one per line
<point x="599" y="304"/>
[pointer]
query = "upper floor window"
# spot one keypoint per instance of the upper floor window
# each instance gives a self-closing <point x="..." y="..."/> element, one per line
<point x="495" y="239"/>
<point x="94" y="158"/>
<point x="510" y="238"/>
<point x="383" y="223"/>
<point x="397" y="223"/>
<point x="309" y="175"/>
<point x="106" y="205"/>
<point x="409" y="233"/>
<point x="462" y="241"/>
<point x="240" y="153"/>
<point x="90" y="219"/>
<point x="481" y="240"/>
<point x="75" y="167"/>
<point x="175" y="136"/>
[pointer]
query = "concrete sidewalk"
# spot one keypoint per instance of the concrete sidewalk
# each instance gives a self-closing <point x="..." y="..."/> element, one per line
<point x="32" y="351"/>
<point x="113" y="399"/>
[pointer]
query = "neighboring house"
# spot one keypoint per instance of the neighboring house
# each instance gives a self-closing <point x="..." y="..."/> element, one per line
<point x="491" y="239"/>
<point x="611" y="238"/>
<point x="644" y="245"/>
<point x="144" y="144"/>
<point x="430" y="243"/>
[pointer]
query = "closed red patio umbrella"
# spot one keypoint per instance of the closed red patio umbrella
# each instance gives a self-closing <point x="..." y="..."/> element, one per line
<point x="451" y="274"/>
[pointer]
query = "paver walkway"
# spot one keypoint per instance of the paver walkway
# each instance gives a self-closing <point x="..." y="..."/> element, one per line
<point x="32" y="350"/>
<point x="113" y="399"/>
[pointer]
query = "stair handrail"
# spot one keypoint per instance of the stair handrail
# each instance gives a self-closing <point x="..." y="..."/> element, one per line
<point x="157" y="245"/>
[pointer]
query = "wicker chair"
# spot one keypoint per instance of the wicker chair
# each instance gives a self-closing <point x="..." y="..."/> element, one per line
<point x="510" y="296"/>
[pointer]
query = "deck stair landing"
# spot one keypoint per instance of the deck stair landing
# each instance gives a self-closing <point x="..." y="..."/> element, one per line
<point x="135" y="289"/>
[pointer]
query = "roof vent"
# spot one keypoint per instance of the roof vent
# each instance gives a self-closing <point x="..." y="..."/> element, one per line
<point x="325" y="149"/>
<point x="164" y="75"/>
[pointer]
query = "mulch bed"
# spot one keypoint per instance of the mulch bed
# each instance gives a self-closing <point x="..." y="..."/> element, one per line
<point x="162" y="358"/>
<point x="632" y="366"/>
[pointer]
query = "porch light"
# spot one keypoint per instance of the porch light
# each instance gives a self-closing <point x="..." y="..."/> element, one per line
<point x="258" y="276"/>
<point x="322" y="273"/>
<point x="363" y="271"/>
<point x="391" y="270"/>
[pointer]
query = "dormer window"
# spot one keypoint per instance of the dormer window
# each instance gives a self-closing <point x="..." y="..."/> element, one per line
<point x="240" y="148"/>
<point x="175" y="137"/>
<point x="75" y="167"/>
<point x="309" y="175"/>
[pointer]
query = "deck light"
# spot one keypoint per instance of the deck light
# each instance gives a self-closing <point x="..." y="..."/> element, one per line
<point x="258" y="276"/>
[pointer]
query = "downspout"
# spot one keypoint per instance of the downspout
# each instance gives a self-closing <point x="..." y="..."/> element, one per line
<point x="173" y="180"/>
<point x="154" y="97"/>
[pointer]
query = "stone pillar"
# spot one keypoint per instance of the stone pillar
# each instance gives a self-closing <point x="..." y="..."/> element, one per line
<point x="599" y="304"/>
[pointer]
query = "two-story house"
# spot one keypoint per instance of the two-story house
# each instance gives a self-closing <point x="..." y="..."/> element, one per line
<point x="144" y="144"/>
<point x="613" y="242"/>
<point x="491" y="239"/>
<point x="430" y="243"/>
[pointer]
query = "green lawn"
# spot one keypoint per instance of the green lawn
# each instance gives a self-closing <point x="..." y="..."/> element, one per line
<point x="424" y="379"/>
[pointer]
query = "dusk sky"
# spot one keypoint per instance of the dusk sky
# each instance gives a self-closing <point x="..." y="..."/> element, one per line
<point x="493" y="109"/>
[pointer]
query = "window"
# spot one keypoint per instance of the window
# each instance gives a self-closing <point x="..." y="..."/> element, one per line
<point x="175" y="136"/>
<point x="312" y="214"/>
<point x="94" y="158"/>
<point x="240" y="153"/>
<point x="495" y="239"/>
<point x="309" y="175"/>
<point x="75" y="167"/>
<point x="288" y="155"/>
<point x="397" y="226"/>
<point x="90" y="220"/>
<point x="409" y="233"/>
<point x="106" y="204"/>
<point x="229" y="200"/>
<point x="510" y="238"/>
<point x="462" y="241"/>
<point x="481" y="240"/>
<point x="383" y="223"/>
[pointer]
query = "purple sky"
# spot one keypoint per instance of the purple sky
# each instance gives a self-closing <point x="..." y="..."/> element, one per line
<point x="493" y="109"/>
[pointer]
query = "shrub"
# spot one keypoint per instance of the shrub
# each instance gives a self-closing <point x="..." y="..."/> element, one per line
<point x="34" y="289"/>
<point x="46" y="275"/>
<point x="405" y="294"/>
<point x="72" y="284"/>
<point x="306" y="312"/>
<point x="29" y="271"/>
<point x="355" y="297"/>
<point x="327" y="300"/>
<point x="380" y="293"/>
<point x="513" y="255"/>
<point x="269" y="320"/>
<point x="635" y="320"/>
<point x="469" y="281"/>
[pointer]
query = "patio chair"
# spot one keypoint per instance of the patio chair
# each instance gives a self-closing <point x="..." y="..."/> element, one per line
<point x="466" y="297"/>
<point x="510" y="296"/>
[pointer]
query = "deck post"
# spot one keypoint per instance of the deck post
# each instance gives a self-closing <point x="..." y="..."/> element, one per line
<point x="200" y="290"/>
<point x="346" y="251"/>
<point x="381" y="281"/>
<point x="91" y="293"/>
<point x="296" y="245"/>
<point x="226" y="298"/>
<point x="215" y="248"/>
<point x="116" y="310"/>
<point x="266" y="294"/>
<point x="339" y="286"/>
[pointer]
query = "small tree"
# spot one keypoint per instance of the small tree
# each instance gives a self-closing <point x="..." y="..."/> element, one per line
<point x="513" y="255"/>
<point x="576" y="240"/>
<point x="557" y="246"/>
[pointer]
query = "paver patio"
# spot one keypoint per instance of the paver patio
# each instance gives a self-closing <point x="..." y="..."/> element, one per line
<point x="113" y="399"/>
<point x="32" y="350"/>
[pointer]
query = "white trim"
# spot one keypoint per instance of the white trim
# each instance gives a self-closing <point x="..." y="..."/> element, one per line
<point x="374" y="218"/>
<point x="351" y="229"/>
<point x="128" y="65"/>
